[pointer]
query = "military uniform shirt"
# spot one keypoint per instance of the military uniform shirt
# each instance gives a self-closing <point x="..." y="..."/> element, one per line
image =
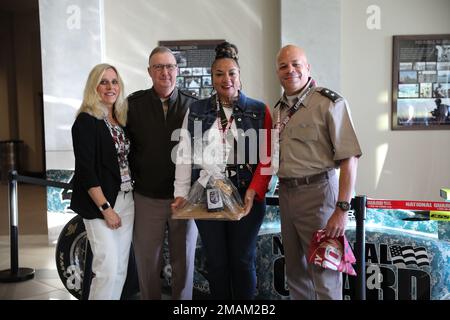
<point x="317" y="136"/>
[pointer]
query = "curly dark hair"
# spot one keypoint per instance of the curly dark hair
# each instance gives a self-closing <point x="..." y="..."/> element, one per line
<point x="226" y="50"/>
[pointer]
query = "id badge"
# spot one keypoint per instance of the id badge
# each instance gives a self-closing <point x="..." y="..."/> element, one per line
<point x="126" y="184"/>
<point x="214" y="200"/>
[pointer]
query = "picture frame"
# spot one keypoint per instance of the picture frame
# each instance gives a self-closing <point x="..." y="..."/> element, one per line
<point x="421" y="82"/>
<point x="194" y="59"/>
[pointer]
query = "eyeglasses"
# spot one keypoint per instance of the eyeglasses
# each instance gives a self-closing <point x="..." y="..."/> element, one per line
<point x="160" y="67"/>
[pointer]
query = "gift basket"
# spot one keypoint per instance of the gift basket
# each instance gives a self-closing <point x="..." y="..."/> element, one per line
<point x="211" y="197"/>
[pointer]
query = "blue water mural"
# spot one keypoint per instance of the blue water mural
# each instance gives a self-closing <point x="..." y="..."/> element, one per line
<point x="58" y="200"/>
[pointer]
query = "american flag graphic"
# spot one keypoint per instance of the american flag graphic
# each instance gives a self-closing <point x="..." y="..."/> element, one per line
<point x="408" y="255"/>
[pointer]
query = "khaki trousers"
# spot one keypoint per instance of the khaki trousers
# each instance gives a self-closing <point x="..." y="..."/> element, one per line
<point x="152" y="216"/>
<point x="304" y="209"/>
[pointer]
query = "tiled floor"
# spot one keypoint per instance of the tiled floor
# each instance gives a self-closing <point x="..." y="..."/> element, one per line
<point x="36" y="253"/>
<point x="34" y="249"/>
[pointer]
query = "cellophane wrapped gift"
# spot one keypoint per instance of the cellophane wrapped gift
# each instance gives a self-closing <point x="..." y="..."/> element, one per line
<point x="196" y="205"/>
<point x="331" y="253"/>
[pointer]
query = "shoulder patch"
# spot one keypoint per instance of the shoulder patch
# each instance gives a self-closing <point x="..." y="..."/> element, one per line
<point x="136" y="94"/>
<point x="330" y="94"/>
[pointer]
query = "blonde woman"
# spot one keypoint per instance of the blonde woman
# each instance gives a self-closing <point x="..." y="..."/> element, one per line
<point x="102" y="187"/>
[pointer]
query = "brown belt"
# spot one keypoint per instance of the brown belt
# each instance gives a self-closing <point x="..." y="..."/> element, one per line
<point x="294" y="182"/>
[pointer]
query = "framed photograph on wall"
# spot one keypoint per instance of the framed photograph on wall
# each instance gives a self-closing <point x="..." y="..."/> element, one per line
<point x="421" y="82"/>
<point x="194" y="59"/>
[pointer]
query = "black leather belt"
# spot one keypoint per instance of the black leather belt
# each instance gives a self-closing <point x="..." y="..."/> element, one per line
<point x="294" y="182"/>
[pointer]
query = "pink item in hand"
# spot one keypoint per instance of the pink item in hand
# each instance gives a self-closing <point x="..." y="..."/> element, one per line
<point x="331" y="253"/>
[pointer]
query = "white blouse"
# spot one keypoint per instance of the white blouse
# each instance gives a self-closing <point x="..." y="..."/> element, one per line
<point x="211" y="158"/>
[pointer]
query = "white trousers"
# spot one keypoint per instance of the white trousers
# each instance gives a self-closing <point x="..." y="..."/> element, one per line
<point x="111" y="250"/>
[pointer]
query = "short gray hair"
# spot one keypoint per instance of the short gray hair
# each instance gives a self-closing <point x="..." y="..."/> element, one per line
<point x="160" y="49"/>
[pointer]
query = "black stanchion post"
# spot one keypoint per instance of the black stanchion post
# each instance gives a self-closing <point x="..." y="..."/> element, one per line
<point x="360" y="247"/>
<point x="13" y="222"/>
<point x="15" y="274"/>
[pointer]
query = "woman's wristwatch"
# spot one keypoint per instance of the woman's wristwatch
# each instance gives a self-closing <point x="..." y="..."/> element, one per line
<point x="104" y="206"/>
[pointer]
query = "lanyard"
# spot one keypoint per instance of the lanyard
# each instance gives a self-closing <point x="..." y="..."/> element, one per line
<point x="280" y="125"/>
<point x="223" y="126"/>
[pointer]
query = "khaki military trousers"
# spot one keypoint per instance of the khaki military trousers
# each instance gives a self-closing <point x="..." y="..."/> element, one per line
<point x="304" y="209"/>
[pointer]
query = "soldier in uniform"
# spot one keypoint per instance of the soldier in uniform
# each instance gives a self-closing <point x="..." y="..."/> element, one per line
<point x="316" y="136"/>
<point x="152" y="117"/>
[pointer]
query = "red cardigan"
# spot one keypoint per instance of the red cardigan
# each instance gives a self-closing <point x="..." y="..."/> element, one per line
<point x="260" y="182"/>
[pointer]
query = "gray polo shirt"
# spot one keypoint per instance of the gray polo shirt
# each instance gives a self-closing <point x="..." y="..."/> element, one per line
<point x="317" y="136"/>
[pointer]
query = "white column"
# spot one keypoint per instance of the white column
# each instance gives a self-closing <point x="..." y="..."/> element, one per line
<point x="316" y="27"/>
<point x="71" y="42"/>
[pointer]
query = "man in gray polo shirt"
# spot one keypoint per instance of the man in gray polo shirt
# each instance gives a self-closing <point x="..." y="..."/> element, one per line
<point x="316" y="136"/>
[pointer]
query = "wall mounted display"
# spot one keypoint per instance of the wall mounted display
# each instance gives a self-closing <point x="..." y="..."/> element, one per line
<point x="194" y="59"/>
<point x="421" y="82"/>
